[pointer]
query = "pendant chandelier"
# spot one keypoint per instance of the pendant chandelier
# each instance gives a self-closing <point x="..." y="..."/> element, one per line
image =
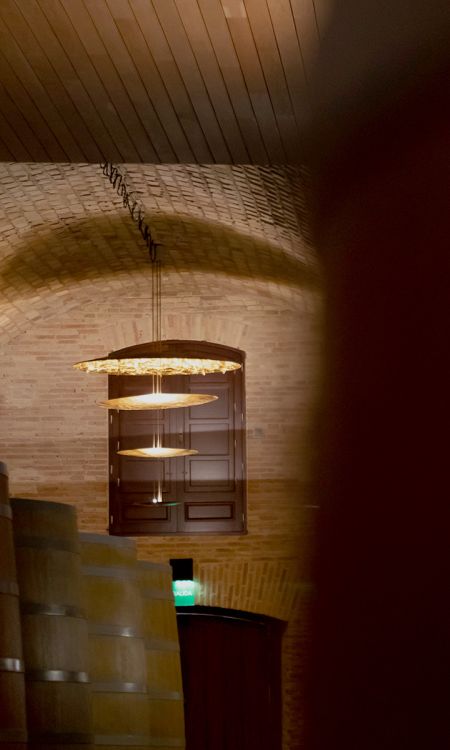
<point x="161" y="364"/>
<point x="167" y="360"/>
<point x="156" y="400"/>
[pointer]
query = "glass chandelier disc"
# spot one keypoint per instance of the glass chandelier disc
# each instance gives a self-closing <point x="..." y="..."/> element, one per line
<point x="156" y="366"/>
<point x="157" y="401"/>
<point x="160" y="452"/>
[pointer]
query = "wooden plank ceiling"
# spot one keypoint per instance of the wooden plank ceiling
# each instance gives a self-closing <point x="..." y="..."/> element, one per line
<point x="155" y="81"/>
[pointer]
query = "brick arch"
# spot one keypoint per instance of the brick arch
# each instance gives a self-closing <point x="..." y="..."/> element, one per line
<point x="190" y="326"/>
<point x="266" y="587"/>
<point x="66" y="236"/>
<point x="23" y="315"/>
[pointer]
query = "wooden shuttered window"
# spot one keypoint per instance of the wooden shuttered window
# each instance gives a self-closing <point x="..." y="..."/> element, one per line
<point x="209" y="488"/>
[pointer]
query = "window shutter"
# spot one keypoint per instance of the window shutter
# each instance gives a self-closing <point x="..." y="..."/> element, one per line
<point x="209" y="488"/>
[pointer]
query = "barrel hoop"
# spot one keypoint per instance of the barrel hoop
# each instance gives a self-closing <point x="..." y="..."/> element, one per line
<point x="156" y="644"/>
<point x="5" y="511"/>
<point x="11" y="665"/>
<point x="114" y="630"/>
<point x="167" y="742"/>
<point x="113" y="571"/>
<point x="42" y="542"/>
<point x="148" y="565"/>
<point x="118" y="687"/>
<point x="63" y="738"/>
<point x="141" y="740"/>
<point x="13" y="735"/>
<point x="59" y="610"/>
<point x="55" y="675"/>
<point x="111" y="541"/>
<point x="165" y="695"/>
<point x="157" y="594"/>
<point x="9" y="587"/>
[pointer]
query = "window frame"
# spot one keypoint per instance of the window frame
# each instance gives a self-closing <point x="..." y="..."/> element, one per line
<point x="120" y="526"/>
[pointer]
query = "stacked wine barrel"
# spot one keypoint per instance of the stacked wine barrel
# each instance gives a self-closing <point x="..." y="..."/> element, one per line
<point x="12" y="685"/>
<point x="165" y="693"/>
<point x="116" y="643"/>
<point x="54" y="627"/>
<point x="100" y="665"/>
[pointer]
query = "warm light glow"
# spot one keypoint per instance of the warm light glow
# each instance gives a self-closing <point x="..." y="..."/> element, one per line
<point x="158" y="401"/>
<point x="156" y="366"/>
<point x="157" y="452"/>
<point x="184" y="593"/>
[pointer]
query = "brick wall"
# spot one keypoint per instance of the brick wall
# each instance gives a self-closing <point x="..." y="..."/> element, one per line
<point x="62" y="304"/>
<point x="54" y="439"/>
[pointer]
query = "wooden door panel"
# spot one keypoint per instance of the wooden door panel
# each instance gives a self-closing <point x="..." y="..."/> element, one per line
<point x="209" y="487"/>
<point x="212" y="489"/>
<point x="209" y="439"/>
<point x="140" y="474"/>
<point x="231" y="680"/>
<point x="206" y="511"/>
<point x="209" y="474"/>
<point x="220" y="409"/>
<point x="141" y="427"/>
<point x="215" y="518"/>
<point x="152" y="519"/>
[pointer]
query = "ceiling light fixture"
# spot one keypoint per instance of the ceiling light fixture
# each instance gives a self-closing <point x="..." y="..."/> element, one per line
<point x="157" y="401"/>
<point x="164" y="361"/>
<point x="156" y="366"/>
<point x="157" y="452"/>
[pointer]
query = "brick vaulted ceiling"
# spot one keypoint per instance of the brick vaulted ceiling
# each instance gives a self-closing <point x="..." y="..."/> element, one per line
<point x="203" y="100"/>
<point x="156" y="81"/>
<point x="65" y="238"/>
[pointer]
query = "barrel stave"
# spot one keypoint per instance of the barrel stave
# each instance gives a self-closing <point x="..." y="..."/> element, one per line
<point x="58" y="700"/>
<point x="165" y="691"/>
<point x="13" y="733"/>
<point x="117" y="660"/>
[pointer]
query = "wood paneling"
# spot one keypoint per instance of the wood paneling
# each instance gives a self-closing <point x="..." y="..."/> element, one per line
<point x="212" y="482"/>
<point x="231" y="667"/>
<point x="155" y="81"/>
<point x="307" y="32"/>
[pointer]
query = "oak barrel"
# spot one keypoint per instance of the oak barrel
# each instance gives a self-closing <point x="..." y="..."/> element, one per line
<point x="165" y="690"/>
<point x="54" y="628"/>
<point x="116" y="644"/>
<point x="12" y="685"/>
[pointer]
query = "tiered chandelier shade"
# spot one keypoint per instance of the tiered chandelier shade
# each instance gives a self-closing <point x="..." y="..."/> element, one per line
<point x="156" y="366"/>
<point x="157" y="401"/>
<point x="157" y="452"/>
<point x="158" y="359"/>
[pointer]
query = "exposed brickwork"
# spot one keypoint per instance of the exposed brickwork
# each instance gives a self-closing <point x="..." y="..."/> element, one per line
<point x="65" y="233"/>
<point x="54" y="438"/>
